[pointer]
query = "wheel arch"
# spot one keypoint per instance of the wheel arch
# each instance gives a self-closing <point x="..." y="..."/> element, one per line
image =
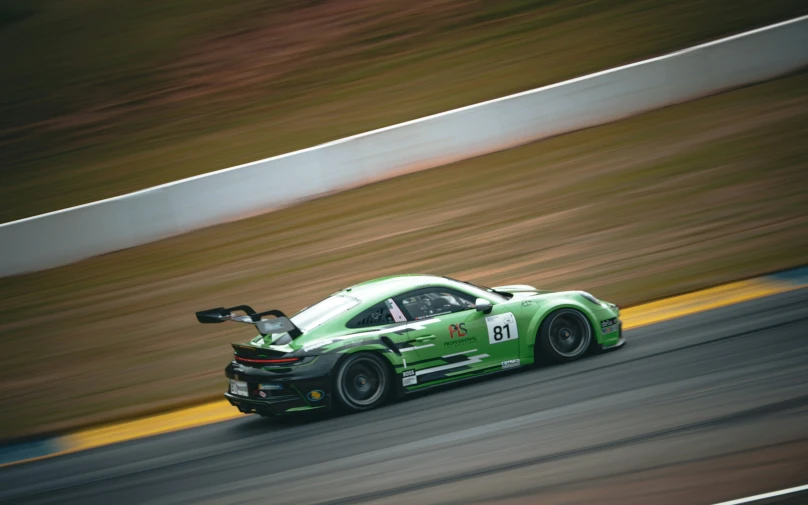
<point x="393" y="390"/>
<point x="388" y="357"/>
<point x="545" y="310"/>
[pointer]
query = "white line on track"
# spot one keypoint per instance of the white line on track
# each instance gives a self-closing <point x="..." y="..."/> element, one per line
<point x="763" y="496"/>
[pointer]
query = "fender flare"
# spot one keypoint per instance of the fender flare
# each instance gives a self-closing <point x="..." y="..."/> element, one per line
<point x="527" y="351"/>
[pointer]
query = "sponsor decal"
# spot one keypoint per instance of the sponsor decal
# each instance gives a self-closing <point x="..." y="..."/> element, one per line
<point x="608" y="322"/>
<point x="459" y="342"/>
<point x="315" y="395"/>
<point x="501" y="328"/>
<point x="457" y="330"/>
<point x="609" y="325"/>
<point x="527" y="303"/>
<point x="408" y="378"/>
<point x="262" y="394"/>
<point x="270" y="387"/>
<point x="511" y="363"/>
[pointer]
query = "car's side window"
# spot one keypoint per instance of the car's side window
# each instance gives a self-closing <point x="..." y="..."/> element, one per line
<point x="430" y="302"/>
<point x="386" y="312"/>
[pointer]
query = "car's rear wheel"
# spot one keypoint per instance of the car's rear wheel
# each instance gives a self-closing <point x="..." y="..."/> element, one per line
<point x="362" y="382"/>
<point x="564" y="335"/>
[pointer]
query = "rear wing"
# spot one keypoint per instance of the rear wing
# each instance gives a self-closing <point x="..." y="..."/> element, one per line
<point x="279" y="324"/>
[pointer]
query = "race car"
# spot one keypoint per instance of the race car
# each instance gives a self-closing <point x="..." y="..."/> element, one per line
<point x="402" y="334"/>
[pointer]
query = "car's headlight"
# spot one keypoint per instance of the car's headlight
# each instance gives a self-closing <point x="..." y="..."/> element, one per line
<point x="590" y="298"/>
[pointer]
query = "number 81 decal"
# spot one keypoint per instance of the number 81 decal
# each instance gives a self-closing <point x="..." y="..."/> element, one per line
<point x="501" y="328"/>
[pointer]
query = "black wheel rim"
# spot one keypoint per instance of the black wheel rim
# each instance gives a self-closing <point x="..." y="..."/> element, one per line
<point x="569" y="334"/>
<point x="363" y="381"/>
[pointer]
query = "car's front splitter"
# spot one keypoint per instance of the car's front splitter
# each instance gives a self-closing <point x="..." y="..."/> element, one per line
<point x="610" y="337"/>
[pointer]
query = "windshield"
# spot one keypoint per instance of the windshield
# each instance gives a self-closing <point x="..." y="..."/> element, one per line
<point x="321" y="312"/>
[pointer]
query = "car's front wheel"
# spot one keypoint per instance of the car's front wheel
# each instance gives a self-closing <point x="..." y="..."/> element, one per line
<point x="564" y="335"/>
<point x="362" y="382"/>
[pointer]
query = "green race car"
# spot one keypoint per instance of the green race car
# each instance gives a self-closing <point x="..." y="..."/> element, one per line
<point x="401" y="334"/>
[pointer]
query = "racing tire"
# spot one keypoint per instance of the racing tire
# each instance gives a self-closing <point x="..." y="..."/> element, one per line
<point x="564" y="335"/>
<point x="362" y="382"/>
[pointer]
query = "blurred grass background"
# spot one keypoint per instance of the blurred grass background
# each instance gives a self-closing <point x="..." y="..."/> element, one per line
<point x="101" y="98"/>
<point x="673" y="200"/>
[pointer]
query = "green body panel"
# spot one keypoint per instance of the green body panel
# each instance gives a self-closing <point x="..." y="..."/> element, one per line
<point x="453" y="346"/>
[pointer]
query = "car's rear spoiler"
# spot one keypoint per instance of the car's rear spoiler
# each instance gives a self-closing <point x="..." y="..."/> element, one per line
<point x="280" y="323"/>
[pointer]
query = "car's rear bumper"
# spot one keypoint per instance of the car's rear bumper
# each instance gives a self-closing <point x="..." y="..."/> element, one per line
<point x="274" y="407"/>
<point x="284" y="390"/>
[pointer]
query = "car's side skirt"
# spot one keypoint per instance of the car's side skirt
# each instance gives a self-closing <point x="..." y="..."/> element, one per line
<point x="468" y="376"/>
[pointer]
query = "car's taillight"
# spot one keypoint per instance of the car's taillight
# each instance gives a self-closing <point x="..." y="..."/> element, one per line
<point x="265" y="361"/>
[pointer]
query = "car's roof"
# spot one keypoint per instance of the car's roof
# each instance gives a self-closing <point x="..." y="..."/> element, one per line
<point x="377" y="289"/>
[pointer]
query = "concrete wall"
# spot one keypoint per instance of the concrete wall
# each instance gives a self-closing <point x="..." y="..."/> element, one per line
<point x="117" y="223"/>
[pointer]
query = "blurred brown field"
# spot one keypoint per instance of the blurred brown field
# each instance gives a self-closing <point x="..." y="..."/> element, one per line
<point x="674" y="200"/>
<point x="101" y="98"/>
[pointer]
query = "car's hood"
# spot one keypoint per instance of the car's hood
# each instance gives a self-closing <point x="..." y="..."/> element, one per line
<point x="519" y="291"/>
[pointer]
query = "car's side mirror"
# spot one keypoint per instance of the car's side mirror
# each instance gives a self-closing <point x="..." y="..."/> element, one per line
<point x="483" y="305"/>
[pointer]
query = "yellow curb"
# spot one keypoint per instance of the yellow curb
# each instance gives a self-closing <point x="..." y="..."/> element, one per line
<point x="700" y="301"/>
<point x="89" y="438"/>
<point x="191" y="417"/>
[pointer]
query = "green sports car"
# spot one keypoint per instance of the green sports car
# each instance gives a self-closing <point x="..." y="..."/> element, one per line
<point x="401" y="334"/>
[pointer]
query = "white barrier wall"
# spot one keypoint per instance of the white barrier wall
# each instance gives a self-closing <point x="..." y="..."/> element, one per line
<point x="69" y="235"/>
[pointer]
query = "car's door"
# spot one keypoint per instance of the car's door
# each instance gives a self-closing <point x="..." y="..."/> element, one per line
<point x="449" y="337"/>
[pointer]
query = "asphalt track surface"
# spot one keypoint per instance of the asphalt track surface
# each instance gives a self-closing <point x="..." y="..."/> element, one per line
<point x="696" y="410"/>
